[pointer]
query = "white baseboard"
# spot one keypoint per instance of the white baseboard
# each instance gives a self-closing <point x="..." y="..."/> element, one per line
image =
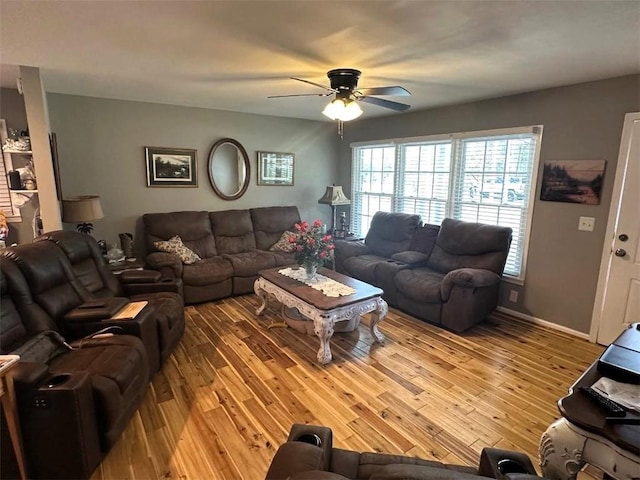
<point x="544" y="323"/>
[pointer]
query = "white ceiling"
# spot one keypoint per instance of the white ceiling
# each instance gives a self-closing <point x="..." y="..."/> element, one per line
<point x="231" y="55"/>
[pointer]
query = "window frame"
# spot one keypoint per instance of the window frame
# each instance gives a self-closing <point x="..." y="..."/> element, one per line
<point x="455" y="175"/>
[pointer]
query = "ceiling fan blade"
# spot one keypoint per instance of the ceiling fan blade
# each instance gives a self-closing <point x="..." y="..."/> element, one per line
<point x="394" y="90"/>
<point x="381" y="102"/>
<point x="324" y="87"/>
<point x="302" y="95"/>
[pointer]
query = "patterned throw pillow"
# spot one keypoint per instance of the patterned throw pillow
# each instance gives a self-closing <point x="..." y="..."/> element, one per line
<point x="283" y="245"/>
<point x="174" y="245"/>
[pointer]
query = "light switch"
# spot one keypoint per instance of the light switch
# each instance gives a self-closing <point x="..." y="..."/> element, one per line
<point x="586" y="223"/>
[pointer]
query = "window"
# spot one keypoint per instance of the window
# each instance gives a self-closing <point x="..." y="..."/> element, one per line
<point x="484" y="177"/>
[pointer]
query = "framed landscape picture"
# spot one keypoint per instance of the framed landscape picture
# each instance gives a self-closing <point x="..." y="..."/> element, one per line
<point x="275" y="168"/>
<point x="573" y="181"/>
<point x="171" y="167"/>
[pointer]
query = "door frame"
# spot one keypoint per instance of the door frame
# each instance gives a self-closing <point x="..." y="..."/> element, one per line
<point x="609" y="238"/>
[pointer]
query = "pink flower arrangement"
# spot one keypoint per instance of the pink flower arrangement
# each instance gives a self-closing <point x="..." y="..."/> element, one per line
<point x="312" y="246"/>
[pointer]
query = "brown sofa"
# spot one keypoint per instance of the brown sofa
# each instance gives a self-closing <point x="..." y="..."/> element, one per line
<point x="233" y="245"/>
<point x="309" y="454"/>
<point x="76" y="392"/>
<point x="448" y="275"/>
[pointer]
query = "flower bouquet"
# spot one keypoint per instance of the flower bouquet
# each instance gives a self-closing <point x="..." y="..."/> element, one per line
<point x="312" y="247"/>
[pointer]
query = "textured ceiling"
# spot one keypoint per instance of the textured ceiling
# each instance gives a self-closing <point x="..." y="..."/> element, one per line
<point x="232" y="55"/>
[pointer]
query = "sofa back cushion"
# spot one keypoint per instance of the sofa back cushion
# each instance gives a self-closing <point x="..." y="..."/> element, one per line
<point x="194" y="228"/>
<point x="269" y="223"/>
<point x="12" y="330"/>
<point x="391" y="233"/>
<point x="86" y="260"/>
<point x="470" y="245"/>
<point x="40" y="284"/>
<point x="233" y="231"/>
<point x="425" y="239"/>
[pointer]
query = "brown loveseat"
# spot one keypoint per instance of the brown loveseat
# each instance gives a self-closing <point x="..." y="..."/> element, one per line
<point x="309" y="454"/>
<point x="75" y="392"/>
<point x="232" y="246"/>
<point x="448" y="275"/>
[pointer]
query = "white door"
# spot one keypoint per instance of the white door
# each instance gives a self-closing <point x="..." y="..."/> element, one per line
<point x="618" y="295"/>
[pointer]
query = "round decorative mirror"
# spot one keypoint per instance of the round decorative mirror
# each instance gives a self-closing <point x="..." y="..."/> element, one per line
<point x="229" y="169"/>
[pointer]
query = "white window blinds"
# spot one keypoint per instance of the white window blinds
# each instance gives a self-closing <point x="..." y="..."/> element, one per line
<point x="485" y="178"/>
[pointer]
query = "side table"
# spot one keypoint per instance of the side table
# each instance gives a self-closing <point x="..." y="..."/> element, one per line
<point x="584" y="436"/>
<point x="8" y="398"/>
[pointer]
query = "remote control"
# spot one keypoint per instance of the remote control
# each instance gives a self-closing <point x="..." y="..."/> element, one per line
<point x="612" y="408"/>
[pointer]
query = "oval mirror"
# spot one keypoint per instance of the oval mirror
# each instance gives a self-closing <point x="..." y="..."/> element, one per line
<point x="229" y="169"/>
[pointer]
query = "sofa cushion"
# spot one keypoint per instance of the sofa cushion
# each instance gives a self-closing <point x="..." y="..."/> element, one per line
<point x="410" y="257"/>
<point x="363" y="267"/>
<point x="403" y="471"/>
<point x="175" y="246"/>
<point x="420" y="284"/>
<point x="284" y="244"/>
<point x="270" y="222"/>
<point x="391" y="232"/>
<point x="471" y="245"/>
<point x="208" y="271"/>
<point x="248" y="264"/>
<point x="425" y="239"/>
<point x="233" y="231"/>
<point x="194" y="229"/>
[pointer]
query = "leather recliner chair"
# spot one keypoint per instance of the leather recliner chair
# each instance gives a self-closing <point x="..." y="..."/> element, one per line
<point x="92" y="272"/>
<point x="74" y="399"/>
<point x="48" y="285"/>
<point x="308" y="454"/>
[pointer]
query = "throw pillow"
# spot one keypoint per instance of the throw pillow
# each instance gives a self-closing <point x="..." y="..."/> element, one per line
<point x="283" y="245"/>
<point x="174" y="245"/>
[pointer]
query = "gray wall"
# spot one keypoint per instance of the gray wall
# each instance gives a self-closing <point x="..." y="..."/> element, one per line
<point x="101" y="149"/>
<point x="581" y="122"/>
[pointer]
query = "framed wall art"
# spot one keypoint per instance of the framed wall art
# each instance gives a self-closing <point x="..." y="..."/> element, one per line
<point x="573" y="181"/>
<point x="171" y="167"/>
<point x="275" y="168"/>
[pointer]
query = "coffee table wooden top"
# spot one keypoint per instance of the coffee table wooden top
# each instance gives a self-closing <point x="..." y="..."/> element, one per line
<point x="315" y="297"/>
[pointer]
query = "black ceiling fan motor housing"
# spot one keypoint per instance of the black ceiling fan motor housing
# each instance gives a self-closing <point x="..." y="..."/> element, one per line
<point x="344" y="79"/>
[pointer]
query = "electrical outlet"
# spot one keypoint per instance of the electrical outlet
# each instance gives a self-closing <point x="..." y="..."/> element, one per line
<point x="586" y="224"/>
<point x="513" y="296"/>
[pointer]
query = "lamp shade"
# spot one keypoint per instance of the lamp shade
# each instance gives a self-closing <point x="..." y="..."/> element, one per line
<point x="334" y="196"/>
<point x="341" y="109"/>
<point x="83" y="208"/>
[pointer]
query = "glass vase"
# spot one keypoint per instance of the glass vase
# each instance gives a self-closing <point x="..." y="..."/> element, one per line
<point x="311" y="269"/>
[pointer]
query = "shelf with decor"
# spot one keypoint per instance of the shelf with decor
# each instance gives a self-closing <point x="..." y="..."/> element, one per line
<point x="19" y="171"/>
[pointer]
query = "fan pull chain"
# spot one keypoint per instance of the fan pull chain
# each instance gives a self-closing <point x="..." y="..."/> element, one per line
<point x="341" y="129"/>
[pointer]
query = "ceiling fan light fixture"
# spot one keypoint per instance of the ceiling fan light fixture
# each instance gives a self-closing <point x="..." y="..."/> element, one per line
<point x="341" y="109"/>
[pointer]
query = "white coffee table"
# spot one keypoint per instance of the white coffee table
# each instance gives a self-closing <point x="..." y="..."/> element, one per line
<point x="322" y="310"/>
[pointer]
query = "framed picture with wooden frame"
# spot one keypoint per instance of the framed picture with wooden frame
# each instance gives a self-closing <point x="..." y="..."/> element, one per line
<point x="171" y="167"/>
<point x="275" y="168"/>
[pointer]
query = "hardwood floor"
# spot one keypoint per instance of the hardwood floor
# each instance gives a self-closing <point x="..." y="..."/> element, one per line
<point x="227" y="397"/>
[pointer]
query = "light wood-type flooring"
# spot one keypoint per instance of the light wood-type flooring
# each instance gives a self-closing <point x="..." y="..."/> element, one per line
<point x="226" y="398"/>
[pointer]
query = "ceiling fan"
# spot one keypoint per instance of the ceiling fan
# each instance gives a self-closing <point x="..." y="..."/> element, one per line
<point x="344" y="84"/>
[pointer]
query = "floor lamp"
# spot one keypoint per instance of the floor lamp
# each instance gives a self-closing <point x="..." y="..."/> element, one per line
<point x="334" y="196"/>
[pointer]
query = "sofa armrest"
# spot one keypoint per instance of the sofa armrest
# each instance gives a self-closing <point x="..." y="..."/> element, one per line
<point x="140" y="276"/>
<point x="173" y="285"/>
<point x="351" y="249"/>
<point x="27" y="375"/>
<point x="166" y="263"/>
<point x="293" y="458"/>
<point x="411" y="257"/>
<point x="467" y="278"/>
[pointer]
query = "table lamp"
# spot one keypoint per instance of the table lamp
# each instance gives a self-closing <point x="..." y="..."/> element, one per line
<point x="82" y="209"/>
<point x="334" y="196"/>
